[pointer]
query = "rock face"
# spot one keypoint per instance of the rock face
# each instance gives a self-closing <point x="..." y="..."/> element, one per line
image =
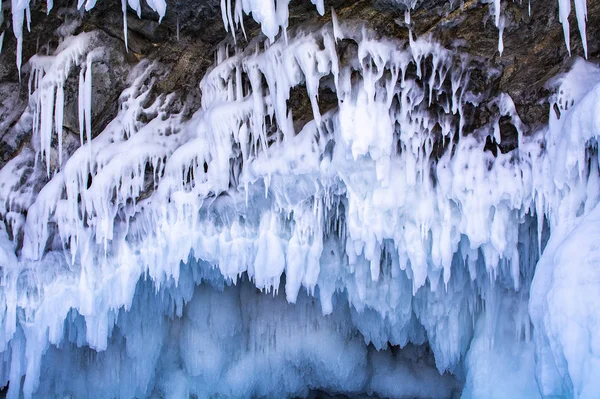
<point x="187" y="37"/>
<point x="381" y="168"/>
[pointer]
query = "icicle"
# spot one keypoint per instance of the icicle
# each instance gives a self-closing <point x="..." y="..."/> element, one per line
<point x="135" y="5"/>
<point x="230" y="20"/>
<point x="58" y="119"/>
<point x="160" y="6"/>
<point x="124" y="9"/>
<point x="500" y="36"/>
<point x="320" y="6"/>
<point x="28" y="17"/>
<point x="90" y="4"/>
<point x="81" y="106"/>
<point x="17" y="22"/>
<point x="581" y="12"/>
<point x="1" y="41"/>
<point x="47" y="111"/>
<point x="499" y="22"/>
<point x="564" y="9"/>
<point x="239" y="16"/>
<point x="337" y="33"/>
<point x="224" y="15"/>
<point x="282" y="12"/>
<point x="272" y="17"/>
<point x="497" y="12"/>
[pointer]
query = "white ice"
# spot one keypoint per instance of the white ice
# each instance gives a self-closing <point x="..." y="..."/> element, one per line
<point x="272" y="15"/>
<point x="378" y="223"/>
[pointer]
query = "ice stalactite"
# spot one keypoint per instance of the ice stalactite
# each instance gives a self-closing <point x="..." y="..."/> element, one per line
<point x="564" y="10"/>
<point x="273" y="16"/>
<point x="382" y="219"/>
<point x="46" y="87"/>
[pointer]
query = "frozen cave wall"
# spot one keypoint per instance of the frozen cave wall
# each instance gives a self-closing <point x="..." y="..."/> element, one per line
<point x="257" y="199"/>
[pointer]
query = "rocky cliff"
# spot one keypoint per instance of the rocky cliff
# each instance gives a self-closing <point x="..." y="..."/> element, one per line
<point x="374" y="198"/>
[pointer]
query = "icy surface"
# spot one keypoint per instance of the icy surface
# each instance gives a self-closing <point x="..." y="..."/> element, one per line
<point x="233" y="341"/>
<point x="500" y="362"/>
<point x="239" y="253"/>
<point x="565" y="313"/>
<point x="565" y="289"/>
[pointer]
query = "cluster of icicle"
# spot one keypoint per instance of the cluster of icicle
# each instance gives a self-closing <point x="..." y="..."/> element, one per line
<point x="564" y="11"/>
<point x="273" y="15"/>
<point x="381" y="197"/>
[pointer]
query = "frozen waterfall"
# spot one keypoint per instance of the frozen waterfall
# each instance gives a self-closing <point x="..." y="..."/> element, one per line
<point x="232" y="251"/>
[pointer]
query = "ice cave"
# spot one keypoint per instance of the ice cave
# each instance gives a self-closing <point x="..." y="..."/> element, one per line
<point x="292" y="199"/>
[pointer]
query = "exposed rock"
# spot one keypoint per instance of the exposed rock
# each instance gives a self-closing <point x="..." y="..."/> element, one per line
<point x="186" y="38"/>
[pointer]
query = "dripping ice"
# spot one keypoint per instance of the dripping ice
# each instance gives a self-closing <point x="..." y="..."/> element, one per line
<point x="273" y="16"/>
<point x="362" y="233"/>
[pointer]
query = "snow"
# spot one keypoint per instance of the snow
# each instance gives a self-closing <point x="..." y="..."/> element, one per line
<point x="236" y="253"/>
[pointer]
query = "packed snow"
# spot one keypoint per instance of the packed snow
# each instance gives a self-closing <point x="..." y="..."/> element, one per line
<point x="238" y="253"/>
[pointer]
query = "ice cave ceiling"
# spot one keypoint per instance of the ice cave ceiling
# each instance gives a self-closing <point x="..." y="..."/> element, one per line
<point x="256" y="198"/>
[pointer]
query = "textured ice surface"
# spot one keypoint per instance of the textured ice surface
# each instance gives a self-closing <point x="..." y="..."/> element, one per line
<point x="565" y="288"/>
<point x="232" y="341"/>
<point x="237" y="253"/>
<point x="565" y="313"/>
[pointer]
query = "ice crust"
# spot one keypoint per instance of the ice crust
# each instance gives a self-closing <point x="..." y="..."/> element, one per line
<point x="143" y="264"/>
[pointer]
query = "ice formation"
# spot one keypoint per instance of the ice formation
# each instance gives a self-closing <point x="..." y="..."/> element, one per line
<point x="379" y="229"/>
<point x="272" y="15"/>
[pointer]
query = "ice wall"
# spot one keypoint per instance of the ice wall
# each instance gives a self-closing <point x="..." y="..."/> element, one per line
<point x="232" y="341"/>
<point x="382" y="220"/>
<point x="565" y="287"/>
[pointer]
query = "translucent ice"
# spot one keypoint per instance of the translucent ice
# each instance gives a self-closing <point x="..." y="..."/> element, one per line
<point x="144" y="260"/>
